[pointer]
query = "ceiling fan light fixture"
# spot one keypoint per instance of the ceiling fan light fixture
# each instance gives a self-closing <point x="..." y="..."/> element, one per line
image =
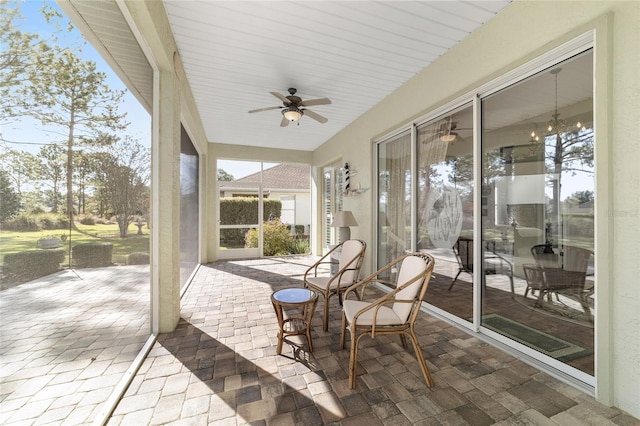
<point x="449" y="137"/>
<point x="292" y="113"/>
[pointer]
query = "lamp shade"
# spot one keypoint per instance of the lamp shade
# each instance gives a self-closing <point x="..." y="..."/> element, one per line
<point x="343" y="218"/>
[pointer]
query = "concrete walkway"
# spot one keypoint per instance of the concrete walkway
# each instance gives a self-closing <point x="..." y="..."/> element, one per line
<point x="66" y="341"/>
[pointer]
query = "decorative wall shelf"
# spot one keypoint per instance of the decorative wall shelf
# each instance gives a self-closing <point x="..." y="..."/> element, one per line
<point x="348" y="191"/>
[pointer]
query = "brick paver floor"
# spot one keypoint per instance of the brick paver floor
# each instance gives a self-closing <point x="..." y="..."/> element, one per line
<point x="219" y="367"/>
<point x="66" y="341"/>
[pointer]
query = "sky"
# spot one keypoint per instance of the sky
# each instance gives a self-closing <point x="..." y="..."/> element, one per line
<point x="27" y="134"/>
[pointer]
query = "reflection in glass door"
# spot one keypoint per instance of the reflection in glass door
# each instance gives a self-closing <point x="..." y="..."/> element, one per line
<point x="539" y="194"/>
<point x="445" y="209"/>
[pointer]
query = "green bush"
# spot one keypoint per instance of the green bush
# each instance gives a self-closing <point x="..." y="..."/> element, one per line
<point x="26" y="222"/>
<point x="87" y="220"/>
<point x="299" y="246"/>
<point x="92" y="255"/>
<point x="138" y="259"/>
<point x="32" y="264"/>
<point x="277" y="238"/>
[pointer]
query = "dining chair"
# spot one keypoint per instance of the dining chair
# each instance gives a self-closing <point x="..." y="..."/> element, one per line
<point x="393" y="313"/>
<point x="348" y="271"/>
<point x="568" y="277"/>
<point x="494" y="263"/>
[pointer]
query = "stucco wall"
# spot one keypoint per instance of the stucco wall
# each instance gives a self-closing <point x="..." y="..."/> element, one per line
<point x="521" y="32"/>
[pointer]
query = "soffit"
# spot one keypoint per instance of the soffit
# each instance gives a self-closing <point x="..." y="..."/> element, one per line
<point x="103" y="25"/>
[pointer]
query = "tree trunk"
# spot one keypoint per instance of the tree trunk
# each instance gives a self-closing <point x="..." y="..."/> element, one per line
<point x="70" y="169"/>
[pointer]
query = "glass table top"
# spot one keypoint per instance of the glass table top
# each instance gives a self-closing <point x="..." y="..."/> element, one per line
<point x="294" y="295"/>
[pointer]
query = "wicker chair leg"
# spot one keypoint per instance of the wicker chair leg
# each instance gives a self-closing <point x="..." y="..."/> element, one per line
<point x="344" y="331"/>
<point x="353" y="360"/>
<point x="403" y="339"/>
<point x="325" y="320"/>
<point x="421" y="361"/>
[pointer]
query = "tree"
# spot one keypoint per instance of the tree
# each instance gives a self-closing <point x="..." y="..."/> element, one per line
<point x="579" y="198"/>
<point x="20" y="51"/>
<point x="52" y="163"/>
<point x="21" y="167"/>
<point x="9" y="198"/>
<point x="123" y="179"/>
<point x="224" y="176"/>
<point x="71" y="94"/>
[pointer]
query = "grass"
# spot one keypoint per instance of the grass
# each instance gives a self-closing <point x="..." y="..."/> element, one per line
<point x="15" y="241"/>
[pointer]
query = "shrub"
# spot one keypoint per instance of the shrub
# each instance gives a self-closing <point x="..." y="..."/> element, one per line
<point x="87" y="220"/>
<point x="299" y="246"/>
<point x="47" y="221"/>
<point x="29" y="265"/>
<point x="276" y="238"/>
<point x="26" y="222"/>
<point x="22" y="222"/>
<point x="138" y="259"/>
<point x="92" y="255"/>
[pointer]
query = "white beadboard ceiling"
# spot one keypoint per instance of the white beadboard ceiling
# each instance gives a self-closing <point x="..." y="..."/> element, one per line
<point x="352" y="52"/>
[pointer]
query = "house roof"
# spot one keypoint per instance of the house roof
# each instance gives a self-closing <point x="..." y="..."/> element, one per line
<point x="282" y="176"/>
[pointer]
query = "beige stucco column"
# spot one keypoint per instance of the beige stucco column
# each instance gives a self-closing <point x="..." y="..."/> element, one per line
<point x="166" y="203"/>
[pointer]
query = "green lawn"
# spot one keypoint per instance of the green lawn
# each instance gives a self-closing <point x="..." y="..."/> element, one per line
<point x="13" y="241"/>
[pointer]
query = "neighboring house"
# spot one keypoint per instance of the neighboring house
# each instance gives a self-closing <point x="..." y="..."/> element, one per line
<point x="289" y="183"/>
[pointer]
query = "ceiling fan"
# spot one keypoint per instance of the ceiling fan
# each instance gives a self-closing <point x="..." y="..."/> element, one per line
<point x="448" y="131"/>
<point x="292" y="107"/>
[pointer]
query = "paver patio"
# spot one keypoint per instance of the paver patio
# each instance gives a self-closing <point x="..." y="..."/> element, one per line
<point x="219" y="367"/>
<point x="67" y="340"/>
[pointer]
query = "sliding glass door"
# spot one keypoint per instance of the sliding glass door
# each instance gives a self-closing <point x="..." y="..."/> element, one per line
<point x="445" y="208"/>
<point x="539" y="179"/>
<point x="511" y="226"/>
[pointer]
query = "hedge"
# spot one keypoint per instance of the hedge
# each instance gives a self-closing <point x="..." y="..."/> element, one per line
<point x="32" y="264"/>
<point x="241" y="211"/>
<point x="138" y="258"/>
<point x="92" y="255"/>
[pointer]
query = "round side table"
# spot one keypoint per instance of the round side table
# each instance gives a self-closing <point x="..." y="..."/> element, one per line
<point x="299" y="298"/>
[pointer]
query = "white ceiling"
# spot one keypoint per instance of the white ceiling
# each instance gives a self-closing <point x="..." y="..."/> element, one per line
<point x="354" y="53"/>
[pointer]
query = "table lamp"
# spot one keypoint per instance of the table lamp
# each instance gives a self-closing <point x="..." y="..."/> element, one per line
<point x="343" y="220"/>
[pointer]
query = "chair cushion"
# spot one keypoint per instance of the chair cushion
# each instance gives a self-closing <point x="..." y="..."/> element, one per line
<point x="411" y="266"/>
<point x="349" y="258"/>
<point x="386" y="316"/>
<point x="322" y="283"/>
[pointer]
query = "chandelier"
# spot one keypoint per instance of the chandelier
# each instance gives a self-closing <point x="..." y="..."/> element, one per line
<point x="557" y="126"/>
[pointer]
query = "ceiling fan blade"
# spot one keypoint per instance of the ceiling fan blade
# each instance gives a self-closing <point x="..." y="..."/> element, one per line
<point x="284" y="122"/>
<point x="264" y="109"/>
<point x="281" y="97"/>
<point x="315" y="116"/>
<point x="312" y="102"/>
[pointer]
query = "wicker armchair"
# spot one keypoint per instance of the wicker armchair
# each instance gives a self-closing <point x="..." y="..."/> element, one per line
<point x="393" y="313"/>
<point x="349" y="265"/>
